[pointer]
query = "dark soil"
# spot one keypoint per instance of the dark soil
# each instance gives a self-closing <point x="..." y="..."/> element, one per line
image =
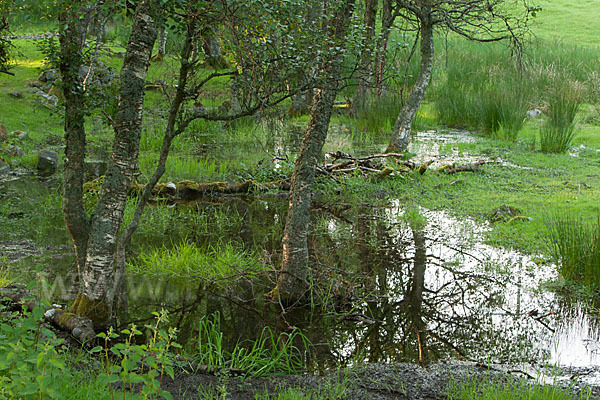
<point x="368" y="382"/>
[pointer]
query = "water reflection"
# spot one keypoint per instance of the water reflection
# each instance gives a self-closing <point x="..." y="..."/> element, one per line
<point x="399" y="293"/>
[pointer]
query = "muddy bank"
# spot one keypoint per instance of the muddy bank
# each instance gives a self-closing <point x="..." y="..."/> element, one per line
<point x="368" y="382"/>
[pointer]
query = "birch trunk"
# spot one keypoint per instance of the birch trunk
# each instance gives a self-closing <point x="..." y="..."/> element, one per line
<point x="97" y="276"/>
<point x="401" y="134"/>
<point x="293" y="283"/>
<point x="162" y="44"/>
<point x="414" y="297"/>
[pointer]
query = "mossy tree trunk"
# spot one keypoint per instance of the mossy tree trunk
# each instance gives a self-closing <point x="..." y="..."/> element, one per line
<point x="293" y="280"/>
<point x="72" y="40"/>
<point x="95" y="241"/>
<point x="401" y="133"/>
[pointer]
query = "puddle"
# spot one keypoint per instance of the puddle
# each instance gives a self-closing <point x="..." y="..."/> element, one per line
<point x="427" y="294"/>
<point x="427" y="147"/>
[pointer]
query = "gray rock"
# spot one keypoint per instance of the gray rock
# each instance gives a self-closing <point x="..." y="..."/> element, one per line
<point x="49" y="75"/>
<point x="47" y="161"/>
<point x="21" y="135"/>
<point x="16" y="94"/>
<point x="34" y="84"/>
<point x="534" y="113"/>
<point x="50" y="99"/>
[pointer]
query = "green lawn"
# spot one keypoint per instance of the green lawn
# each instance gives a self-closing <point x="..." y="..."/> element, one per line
<point x="571" y="21"/>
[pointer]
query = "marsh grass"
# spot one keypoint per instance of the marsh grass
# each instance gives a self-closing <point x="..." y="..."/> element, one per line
<point x="575" y="244"/>
<point x="483" y="87"/>
<point x="559" y="129"/>
<point x="379" y="114"/>
<point x="270" y="354"/>
<point x="216" y="262"/>
<point x="489" y="390"/>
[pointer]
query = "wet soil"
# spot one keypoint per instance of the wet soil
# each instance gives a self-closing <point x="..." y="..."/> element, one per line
<point x="369" y="382"/>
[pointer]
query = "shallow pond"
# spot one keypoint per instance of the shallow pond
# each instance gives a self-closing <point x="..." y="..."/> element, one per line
<point x="423" y="289"/>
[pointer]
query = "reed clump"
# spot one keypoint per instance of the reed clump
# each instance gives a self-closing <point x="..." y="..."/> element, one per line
<point x="575" y="245"/>
<point x="559" y="130"/>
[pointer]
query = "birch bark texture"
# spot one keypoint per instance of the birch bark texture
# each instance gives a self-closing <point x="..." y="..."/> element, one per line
<point x="97" y="272"/>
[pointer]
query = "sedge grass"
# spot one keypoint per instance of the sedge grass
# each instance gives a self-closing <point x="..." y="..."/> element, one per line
<point x="559" y="130"/>
<point x="488" y="390"/>
<point x="186" y="260"/>
<point x="270" y="354"/>
<point x="575" y="245"/>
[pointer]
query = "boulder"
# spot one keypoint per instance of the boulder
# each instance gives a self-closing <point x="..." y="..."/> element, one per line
<point x="47" y="161"/>
<point x="49" y="75"/>
<point x="16" y="94"/>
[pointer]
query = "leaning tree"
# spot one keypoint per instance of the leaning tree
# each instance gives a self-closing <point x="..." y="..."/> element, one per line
<point x="264" y="41"/>
<point x="293" y="282"/>
<point x="477" y="20"/>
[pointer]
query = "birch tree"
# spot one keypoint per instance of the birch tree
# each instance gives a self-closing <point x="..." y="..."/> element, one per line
<point x="477" y="20"/>
<point x="263" y="64"/>
<point x="293" y="281"/>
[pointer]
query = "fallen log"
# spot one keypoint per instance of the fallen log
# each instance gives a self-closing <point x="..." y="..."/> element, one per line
<point x="80" y="328"/>
<point x="190" y="190"/>
<point x="340" y="155"/>
<point x="451" y="169"/>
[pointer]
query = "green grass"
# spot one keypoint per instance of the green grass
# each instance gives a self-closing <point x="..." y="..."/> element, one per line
<point x="557" y="134"/>
<point x="488" y="390"/>
<point x="568" y="21"/>
<point x="270" y="354"/>
<point x="575" y="244"/>
<point x="185" y="260"/>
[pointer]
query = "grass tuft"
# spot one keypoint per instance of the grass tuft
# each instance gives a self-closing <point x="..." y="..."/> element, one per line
<point x="575" y="244"/>
<point x="186" y="260"/>
<point x="270" y="354"/>
<point x="559" y="130"/>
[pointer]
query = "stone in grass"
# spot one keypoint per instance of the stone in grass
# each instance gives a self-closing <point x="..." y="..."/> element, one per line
<point x="21" y="135"/>
<point x="504" y="213"/>
<point x="14" y="151"/>
<point x="16" y="94"/>
<point x="47" y="161"/>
